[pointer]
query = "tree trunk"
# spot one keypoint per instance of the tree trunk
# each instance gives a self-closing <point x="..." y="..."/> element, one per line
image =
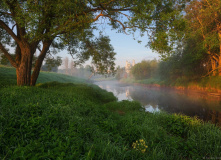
<point x="219" y="61"/>
<point x="23" y="70"/>
<point x="213" y="65"/>
<point x="219" y="64"/>
<point x="39" y="61"/>
<point x="36" y="72"/>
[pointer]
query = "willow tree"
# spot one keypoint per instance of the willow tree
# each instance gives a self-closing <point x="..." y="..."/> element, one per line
<point x="45" y="25"/>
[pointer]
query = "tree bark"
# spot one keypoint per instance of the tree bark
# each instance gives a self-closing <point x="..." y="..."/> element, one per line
<point x="23" y="70"/>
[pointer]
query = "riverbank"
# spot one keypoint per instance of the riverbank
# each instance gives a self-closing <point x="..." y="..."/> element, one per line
<point x="81" y="121"/>
<point x="208" y="86"/>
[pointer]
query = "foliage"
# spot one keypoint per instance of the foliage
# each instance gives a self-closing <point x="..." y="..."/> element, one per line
<point x="203" y="20"/>
<point x="169" y="32"/>
<point x="194" y="41"/>
<point x="144" y="69"/>
<point x="190" y="63"/>
<point x="195" y="37"/>
<point x="52" y="64"/>
<point x="82" y="121"/>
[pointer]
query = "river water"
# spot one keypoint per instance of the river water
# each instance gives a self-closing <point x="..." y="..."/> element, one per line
<point x="204" y="106"/>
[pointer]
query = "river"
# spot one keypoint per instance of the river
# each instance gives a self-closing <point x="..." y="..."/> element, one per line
<point x="155" y="99"/>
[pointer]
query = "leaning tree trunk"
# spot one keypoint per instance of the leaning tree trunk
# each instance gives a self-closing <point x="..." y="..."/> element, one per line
<point x="39" y="62"/>
<point x="23" y="70"/>
<point x="219" y="60"/>
<point x="213" y="65"/>
<point x="219" y="65"/>
<point x="36" y="72"/>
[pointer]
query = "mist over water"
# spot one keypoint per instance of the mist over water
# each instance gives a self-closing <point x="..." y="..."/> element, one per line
<point x="205" y="107"/>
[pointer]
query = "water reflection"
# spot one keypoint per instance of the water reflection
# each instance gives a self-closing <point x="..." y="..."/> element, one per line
<point x="203" y="106"/>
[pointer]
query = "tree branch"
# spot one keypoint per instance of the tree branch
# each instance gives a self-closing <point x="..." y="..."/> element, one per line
<point x="116" y="21"/>
<point x="102" y="15"/>
<point x="6" y="13"/>
<point x="211" y="71"/>
<point x="10" y="32"/>
<point x="108" y="2"/>
<point x="13" y="26"/>
<point x="10" y="58"/>
<point x="14" y="12"/>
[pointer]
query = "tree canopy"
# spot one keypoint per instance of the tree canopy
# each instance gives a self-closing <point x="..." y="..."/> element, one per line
<point x="203" y="21"/>
<point x="196" y="37"/>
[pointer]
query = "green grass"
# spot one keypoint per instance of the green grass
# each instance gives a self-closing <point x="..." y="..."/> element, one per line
<point x="81" y="121"/>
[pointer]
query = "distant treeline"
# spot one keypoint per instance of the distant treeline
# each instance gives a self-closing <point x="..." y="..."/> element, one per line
<point x="175" y="69"/>
<point x="83" y="72"/>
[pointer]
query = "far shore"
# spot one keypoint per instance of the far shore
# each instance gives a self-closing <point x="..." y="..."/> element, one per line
<point x="206" y="91"/>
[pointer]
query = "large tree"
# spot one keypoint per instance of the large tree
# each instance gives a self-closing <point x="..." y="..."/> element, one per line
<point x="204" y="22"/>
<point x="197" y="31"/>
<point x="45" y="25"/>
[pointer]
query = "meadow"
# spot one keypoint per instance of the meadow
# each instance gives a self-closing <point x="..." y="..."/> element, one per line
<point x="65" y="118"/>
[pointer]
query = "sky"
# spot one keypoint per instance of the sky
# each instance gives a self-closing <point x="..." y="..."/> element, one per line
<point x="126" y="48"/>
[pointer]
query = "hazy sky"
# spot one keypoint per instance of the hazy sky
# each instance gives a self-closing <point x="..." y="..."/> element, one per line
<point x="126" y="48"/>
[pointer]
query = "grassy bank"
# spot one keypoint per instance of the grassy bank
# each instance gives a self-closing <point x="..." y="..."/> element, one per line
<point x="81" y="121"/>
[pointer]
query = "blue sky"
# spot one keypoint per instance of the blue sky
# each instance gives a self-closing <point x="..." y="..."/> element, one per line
<point x="126" y="48"/>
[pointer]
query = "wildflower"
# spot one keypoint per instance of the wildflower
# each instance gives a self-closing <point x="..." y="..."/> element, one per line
<point x="140" y="145"/>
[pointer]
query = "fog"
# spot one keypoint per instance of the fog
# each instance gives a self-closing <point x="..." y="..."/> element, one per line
<point x="153" y="99"/>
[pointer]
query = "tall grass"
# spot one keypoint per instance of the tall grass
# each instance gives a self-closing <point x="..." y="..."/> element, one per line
<point x="81" y="121"/>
